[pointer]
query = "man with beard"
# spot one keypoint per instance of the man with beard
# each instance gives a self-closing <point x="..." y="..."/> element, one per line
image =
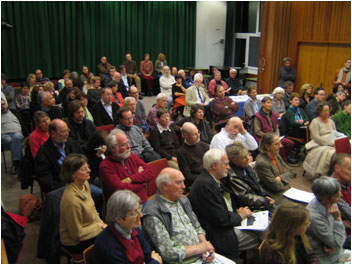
<point x="166" y="81"/>
<point x="122" y="169"/>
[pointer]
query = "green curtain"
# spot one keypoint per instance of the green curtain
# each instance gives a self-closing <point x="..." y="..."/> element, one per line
<point x="54" y="36"/>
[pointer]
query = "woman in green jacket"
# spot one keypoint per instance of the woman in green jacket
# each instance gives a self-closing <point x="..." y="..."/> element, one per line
<point x="342" y="119"/>
<point x="296" y="118"/>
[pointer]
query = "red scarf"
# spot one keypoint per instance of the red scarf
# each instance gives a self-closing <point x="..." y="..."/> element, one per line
<point x="147" y="67"/>
<point x="133" y="249"/>
<point x="86" y="75"/>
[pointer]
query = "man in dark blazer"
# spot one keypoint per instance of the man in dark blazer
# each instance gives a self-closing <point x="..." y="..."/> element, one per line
<point x="104" y="112"/>
<point x="215" y="207"/>
<point x="51" y="154"/>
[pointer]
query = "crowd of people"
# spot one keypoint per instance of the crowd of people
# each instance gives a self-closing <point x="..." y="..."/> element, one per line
<point x="210" y="153"/>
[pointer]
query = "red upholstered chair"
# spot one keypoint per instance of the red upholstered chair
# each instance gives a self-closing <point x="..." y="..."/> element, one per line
<point x="107" y="128"/>
<point x="156" y="166"/>
<point x="343" y="145"/>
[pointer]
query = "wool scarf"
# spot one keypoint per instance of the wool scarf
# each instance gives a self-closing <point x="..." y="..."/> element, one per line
<point x="348" y="75"/>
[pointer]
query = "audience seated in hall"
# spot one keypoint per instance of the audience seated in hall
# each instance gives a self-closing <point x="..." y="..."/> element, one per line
<point x="121" y="86"/>
<point x="342" y="119"/>
<point x="79" y="220"/>
<point x="233" y="131"/>
<point x="197" y="118"/>
<point x="275" y="176"/>
<point x="131" y="68"/>
<point x="51" y="154"/>
<point x="22" y="101"/>
<point x="343" y="75"/>
<point x="76" y="81"/>
<point x="285" y="241"/>
<point x="123" y="169"/>
<point x="326" y="231"/>
<point x="34" y="105"/>
<point x="39" y="76"/>
<point x="217" y="210"/>
<point x="217" y="82"/>
<point x="234" y="83"/>
<point x="9" y="92"/>
<point x="336" y="101"/>
<point x="50" y="87"/>
<point x="341" y="167"/>
<point x="296" y="118"/>
<point x="166" y="81"/>
<point x="267" y="121"/>
<point x="116" y="96"/>
<point x="61" y="82"/>
<point x="222" y="108"/>
<point x="306" y="90"/>
<point x="311" y="107"/>
<point x="108" y="77"/>
<point x="185" y="82"/>
<point x="122" y="242"/>
<point x="63" y="95"/>
<point x="321" y="148"/>
<point x="74" y="94"/>
<point x="170" y="206"/>
<point x="41" y="133"/>
<point x="163" y="138"/>
<point x="289" y="89"/>
<point x="161" y="102"/>
<point x="190" y="154"/>
<point x="80" y="128"/>
<point x="130" y="102"/>
<point x="140" y="110"/>
<point x="12" y="133"/>
<point x="252" y="105"/>
<point x="278" y="103"/>
<point x="103" y="67"/>
<point x="243" y="181"/>
<point x="146" y="69"/>
<point x="287" y="72"/>
<point x="86" y="75"/>
<point x="126" y="80"/>
<point x="139" y="144"/>
<point x="178" y="97"/>
<point x="104" y="111"/>
<point x="94" y="94"/>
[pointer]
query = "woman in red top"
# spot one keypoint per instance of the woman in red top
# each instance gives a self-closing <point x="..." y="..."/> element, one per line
<point x="146" y="69"/>
<point x="40" y="134"/>
<point x="116" y="96"/>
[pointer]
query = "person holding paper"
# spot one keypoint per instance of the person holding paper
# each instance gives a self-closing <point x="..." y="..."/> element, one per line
<point x="285" y="240"/>
<point x="321" y="148"/>
<point x="216" y="209"/>
<point x="272" y="171"/>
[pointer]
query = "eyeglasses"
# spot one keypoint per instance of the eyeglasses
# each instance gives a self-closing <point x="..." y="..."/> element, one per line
<point x="128" y="118"/>
<point x="136" y="212"/>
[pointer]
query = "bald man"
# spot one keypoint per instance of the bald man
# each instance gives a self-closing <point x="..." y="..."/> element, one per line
<point x="234" y="131"/>
<point x="51" y="154"/>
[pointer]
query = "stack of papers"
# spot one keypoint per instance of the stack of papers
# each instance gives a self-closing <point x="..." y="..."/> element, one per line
<point x="299" y="195"/>
<point x="258" y="221"/>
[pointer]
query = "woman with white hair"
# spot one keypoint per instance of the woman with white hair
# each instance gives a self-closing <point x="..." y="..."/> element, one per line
<point x="326" y="232"/>
<point x="278" y="102"/>
<point x="123" y="241"/>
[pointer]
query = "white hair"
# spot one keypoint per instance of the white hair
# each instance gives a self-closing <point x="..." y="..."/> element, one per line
<point x="212" y="156"/>
<point x="111" y="138"/>
<point x="198" y="76"/>
<point x="161" y="96"/>
<point x="278" y="90"/>
<point x="233" y="70"/>
<point x="120" y="203"/>
<point x="127" y="100"/>
<point x="163" y="178"/>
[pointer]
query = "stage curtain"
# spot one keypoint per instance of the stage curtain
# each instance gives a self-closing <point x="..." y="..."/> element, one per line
<point x="54" y="36"/>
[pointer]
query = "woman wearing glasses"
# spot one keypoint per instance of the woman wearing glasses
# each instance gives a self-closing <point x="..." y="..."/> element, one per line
<point x="122" y="242"/>
<point x="79" y="220"/>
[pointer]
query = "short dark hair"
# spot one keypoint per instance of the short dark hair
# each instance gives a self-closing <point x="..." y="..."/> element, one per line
<point x="112" y="83"/>
<point x="345" y="104"/>
<point x="316" y="91"/>
<point x="66" y="71"/>
<point x="122" y="67"/>
<point x="70" y="165"/>
<point x="195" y="108"/>
<point x="39" y="114"/>
<point x="321" y="105"/>
<point x="288" y="83"/>
<point x="178" y="77"/>
<point x="250" y="89"/>
<point x="74" y="106"/>
<point x="122" y="110"/>
<point x="160" y="112"/>
<point x="266" y="98"/>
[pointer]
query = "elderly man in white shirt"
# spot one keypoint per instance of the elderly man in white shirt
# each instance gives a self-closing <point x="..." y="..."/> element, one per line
<point x="166" y="81"/>
<point x="234" y="131"/>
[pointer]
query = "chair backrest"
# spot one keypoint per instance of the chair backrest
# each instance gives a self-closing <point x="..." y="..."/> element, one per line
<point x="108" y="128"/>
<point x="156" y="166"/>
<point x="343" y="145"/>
<point x="86" y="254"/>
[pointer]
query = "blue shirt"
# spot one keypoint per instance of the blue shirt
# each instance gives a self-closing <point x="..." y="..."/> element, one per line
<point x="61" y="151"/>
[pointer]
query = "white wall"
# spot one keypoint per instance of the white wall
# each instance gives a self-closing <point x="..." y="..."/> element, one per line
<point x="211" y="25"/>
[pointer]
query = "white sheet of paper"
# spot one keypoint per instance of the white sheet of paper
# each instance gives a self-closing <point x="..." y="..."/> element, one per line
<point x="299" y="195"/>
<point x="258" y="221"/>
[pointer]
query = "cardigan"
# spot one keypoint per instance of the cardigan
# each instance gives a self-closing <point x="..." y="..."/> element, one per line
<point x="79" y="220"/>
<point x="223" y="109"/>
<point x="165" y="143"/>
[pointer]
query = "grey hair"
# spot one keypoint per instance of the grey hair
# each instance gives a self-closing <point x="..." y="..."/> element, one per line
<point x="163" y="178"/>
<point x="120" y="203"/>
<point x="104" y="88"/>
<point x="267" y="139"/>
<point x="42" y="96"/>
<point x="111" y="138"/>
<point x="127" y="100"/>
<point x="212" y="156"/>
<point x="198" y="76"/>
<point x="278" y="90"/>
<point x="234" y="150"/>
<point x="325" y="187"/>
<point x="160" y="96"/>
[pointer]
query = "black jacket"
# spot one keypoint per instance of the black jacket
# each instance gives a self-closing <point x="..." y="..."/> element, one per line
<point x="101" y="117"/>
<point x="81" y="132"/>
<point x="15" y="112"/>
<point x="47" y="168"/>
<point x="209" y="205"/>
